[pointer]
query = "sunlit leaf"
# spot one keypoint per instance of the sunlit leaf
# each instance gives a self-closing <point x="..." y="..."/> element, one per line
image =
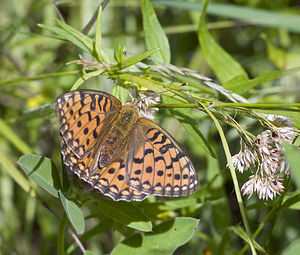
<point x="154" y="35"/>
<point x="42" y="171"/>
<point x="224" y="66"/>
<point x="163" y="240"/>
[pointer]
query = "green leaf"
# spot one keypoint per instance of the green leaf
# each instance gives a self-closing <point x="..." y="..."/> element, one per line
<point x="185" y="118"/>
<point x="126" y="213"/>
<point x="73" y="212"/>
<point x="87" y="252"/>
<point x="242" y="234"/>
<point x="223" y="65"/>
<point x="101" y="57"/>
<point x="241" y="86"/>
<point x="42" y="171"/>
<point x="154" y="35"/>
<point x="132" y="60"/>
<point x="142" y="81"/>
<point x="120" y="92"/>
<point x="85" y="40"/>
<point x="291" y="201"/>
<point x="258" y="17"/>
<point x="293" y="158"/>
<point x="164" y="239"/>
<point x="293" y="248"/>
<point x="119" y="53"/>
<point x="69" y="37"/>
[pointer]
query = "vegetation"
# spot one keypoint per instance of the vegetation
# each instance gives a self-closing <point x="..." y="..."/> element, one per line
<point x="223" y="70"/>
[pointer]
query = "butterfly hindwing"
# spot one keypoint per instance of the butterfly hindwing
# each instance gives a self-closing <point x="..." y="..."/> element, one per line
<point x="109" y="180"/>
<point x="157" y="164"/>
<point x="84" y="116"/>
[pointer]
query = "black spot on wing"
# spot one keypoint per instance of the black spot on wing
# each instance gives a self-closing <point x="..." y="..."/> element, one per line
<point x="138" y="160"/>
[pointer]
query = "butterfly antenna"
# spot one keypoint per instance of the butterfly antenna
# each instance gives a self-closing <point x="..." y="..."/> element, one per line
<point x="132" y="98"/>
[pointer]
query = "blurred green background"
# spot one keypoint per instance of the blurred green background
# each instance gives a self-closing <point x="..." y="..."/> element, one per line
<point x="33" y="72"/>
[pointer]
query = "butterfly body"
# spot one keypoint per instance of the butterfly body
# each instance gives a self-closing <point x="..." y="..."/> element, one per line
<point x="121" y="129"/>
<point x="118" y="152"/>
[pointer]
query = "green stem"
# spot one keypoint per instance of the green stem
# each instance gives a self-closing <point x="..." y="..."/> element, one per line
<point x="10" y="135"/>
<point x="61" y="234"/>
<point x="233" y="105"/>
<point x="234" y="178"/>
<point x="13" y="172"/>
<point x="274" y="210"/>
<point x="37" y="77"/>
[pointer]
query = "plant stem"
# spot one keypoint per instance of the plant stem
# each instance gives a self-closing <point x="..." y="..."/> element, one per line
<point x="61" y="234"/>
<point x="234" y="178"/>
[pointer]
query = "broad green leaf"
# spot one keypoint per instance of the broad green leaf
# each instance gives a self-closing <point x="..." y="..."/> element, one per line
<point x="73" y="212"/>
<point x="154" y="35"/>
<point x="242" y="234"/>
<point x="42" y="171"/>
<point x="293" y="158"/>
<point x="69" y="37"/>
<point x="126" y="213"/>
<point x="223" y="65"/>
<point x="172" y="205"/>
<point x="85" y="40"/>
<point x="293" y="248"/>
<point x="255" y="16"/>
<point x="241" y="86"/>
<point x="164" y="239"/>
<point x="185" y="118"/>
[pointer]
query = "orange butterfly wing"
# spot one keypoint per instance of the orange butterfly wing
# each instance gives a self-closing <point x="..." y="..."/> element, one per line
<point x="151" y="161"/>
<point x="157" y="164"/>
<point x="85" y="116"/>
<point x="109" y="180"/>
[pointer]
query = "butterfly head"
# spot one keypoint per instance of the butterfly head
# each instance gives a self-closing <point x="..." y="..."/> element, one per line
<point x="129" y="113"/>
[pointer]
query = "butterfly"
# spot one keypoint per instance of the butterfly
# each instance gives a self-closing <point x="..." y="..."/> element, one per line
<point x="125" y="156"/>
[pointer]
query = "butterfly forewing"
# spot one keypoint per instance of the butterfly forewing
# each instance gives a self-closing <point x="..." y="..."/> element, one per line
<point x="84" y="116"/>
<point x="157" y="164"/>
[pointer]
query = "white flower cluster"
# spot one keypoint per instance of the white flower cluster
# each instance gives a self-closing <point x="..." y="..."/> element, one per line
<point x="267" y="154"/>
<point x="148" y="97"/>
